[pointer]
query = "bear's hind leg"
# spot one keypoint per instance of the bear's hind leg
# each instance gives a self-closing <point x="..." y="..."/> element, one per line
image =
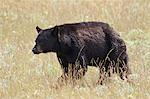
<point x="123" y="70"/>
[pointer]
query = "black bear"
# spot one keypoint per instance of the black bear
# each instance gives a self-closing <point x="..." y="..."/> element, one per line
<point x="87" y="44"/>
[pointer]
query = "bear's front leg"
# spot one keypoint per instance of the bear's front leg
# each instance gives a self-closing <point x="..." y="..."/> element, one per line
<point x="80" y="67"/>
<point x="64" y="65"/>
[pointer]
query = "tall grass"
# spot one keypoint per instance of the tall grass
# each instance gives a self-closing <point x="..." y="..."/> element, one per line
<point x="24" y="75"/>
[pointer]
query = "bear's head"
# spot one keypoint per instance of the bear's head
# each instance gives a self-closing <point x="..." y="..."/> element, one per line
<point x="46" y="41"/>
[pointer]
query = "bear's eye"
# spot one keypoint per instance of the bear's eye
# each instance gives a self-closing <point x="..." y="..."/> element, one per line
<point x="39" y="40"/>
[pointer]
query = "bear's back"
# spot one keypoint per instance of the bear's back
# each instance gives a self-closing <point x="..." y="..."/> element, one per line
<point x="90" y="35"/>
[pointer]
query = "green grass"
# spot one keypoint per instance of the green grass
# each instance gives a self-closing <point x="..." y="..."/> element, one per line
<point x="25" y="75"/>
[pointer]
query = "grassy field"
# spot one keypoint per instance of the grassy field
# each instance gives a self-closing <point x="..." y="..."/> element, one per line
<point x="24" y="75"/>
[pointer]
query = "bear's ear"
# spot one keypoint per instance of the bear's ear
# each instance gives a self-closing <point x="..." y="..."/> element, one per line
<point x="38" y="29"/>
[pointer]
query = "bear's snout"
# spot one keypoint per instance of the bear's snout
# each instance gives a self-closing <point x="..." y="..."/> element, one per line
<point x="35" y="51"/>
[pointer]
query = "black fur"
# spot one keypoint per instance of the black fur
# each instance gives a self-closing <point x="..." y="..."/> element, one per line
<point x="88" y="43"/>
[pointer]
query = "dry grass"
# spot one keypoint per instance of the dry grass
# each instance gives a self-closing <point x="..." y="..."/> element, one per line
<point x="24" y="75"/>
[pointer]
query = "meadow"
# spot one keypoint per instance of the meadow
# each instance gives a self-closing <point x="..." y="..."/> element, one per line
<point x="25" y="75"/>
